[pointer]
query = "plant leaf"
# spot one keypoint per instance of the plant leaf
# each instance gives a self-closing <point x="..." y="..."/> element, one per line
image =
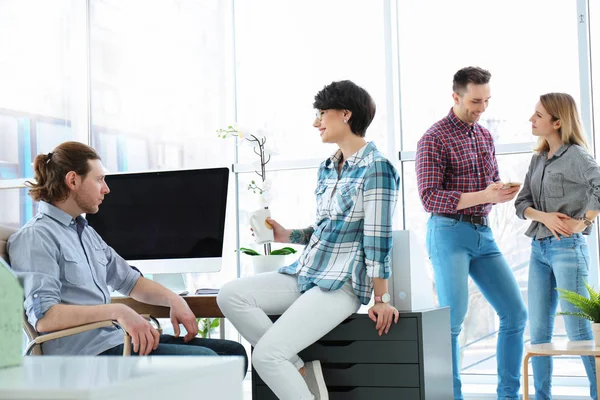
<point x="589" y="308"/>
<point x="249" y="252"/>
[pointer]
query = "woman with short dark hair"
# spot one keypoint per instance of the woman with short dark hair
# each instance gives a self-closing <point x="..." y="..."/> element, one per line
<point x="347" y="254"/>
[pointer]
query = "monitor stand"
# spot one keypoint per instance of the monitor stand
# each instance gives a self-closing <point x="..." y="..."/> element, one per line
<point x="174" y="282"/>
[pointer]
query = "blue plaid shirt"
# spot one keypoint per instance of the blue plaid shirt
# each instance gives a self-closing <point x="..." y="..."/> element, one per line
<point x="352" y="236"/>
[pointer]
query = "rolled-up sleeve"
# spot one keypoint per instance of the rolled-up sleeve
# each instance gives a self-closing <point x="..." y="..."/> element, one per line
<point x="119" y="275"/>
<point x="525" y="198"/>
<point x="34" y="259"/>
<point x="430" y="167"/>
<point x="592" y="178"/>
<point x="380" y="194"/>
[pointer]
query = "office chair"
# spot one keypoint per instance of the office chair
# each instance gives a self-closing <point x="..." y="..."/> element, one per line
<point x="35" y="340"/>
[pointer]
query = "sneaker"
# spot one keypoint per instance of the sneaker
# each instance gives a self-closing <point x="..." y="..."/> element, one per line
<point x="315" y="381"/>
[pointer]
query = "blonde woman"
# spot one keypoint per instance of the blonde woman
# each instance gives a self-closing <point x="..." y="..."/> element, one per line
<point x="560" y="196"/>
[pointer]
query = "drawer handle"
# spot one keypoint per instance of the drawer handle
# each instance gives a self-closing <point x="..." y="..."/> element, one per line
<point x="335" y="343"/>
<point x="338" y="366"/>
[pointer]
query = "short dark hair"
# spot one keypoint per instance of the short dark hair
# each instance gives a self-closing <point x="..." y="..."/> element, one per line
<point x="347" y="95"/>
<point x="50" y="170"/>
<point x="464" y="76"/>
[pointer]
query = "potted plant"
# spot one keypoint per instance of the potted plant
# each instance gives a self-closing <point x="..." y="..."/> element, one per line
<point x="206" y="326"/>
<point x="258" y="141"/>
<point x="588" y="308"/>
<point x="268" y="263"/>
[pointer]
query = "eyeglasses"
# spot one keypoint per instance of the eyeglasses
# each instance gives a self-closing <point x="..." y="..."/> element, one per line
<point x="319" y="114"/>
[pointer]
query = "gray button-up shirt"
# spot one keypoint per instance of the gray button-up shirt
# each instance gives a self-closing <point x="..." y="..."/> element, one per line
<point x="58" y="265"/>
<point x="568" y="182"/>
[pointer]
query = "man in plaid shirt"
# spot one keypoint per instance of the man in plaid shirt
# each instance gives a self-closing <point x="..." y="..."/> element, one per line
<point x="458" y="183"/>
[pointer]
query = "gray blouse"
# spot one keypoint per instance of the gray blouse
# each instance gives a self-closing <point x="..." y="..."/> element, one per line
<point x="568" y="182"/>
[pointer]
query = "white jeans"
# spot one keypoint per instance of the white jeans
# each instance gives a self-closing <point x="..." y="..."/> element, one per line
<point x="305" y="318"/>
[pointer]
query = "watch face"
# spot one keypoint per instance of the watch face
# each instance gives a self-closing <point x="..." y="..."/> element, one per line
<point x="385" y="297"/>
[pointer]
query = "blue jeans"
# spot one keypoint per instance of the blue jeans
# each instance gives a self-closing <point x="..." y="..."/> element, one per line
<point x="564" y="264"/>
<point x="458" y="250"/>
<point x="173" y="346"/>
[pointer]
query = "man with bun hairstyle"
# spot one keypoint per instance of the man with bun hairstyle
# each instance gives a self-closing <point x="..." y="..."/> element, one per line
<point x="66" y="269"/>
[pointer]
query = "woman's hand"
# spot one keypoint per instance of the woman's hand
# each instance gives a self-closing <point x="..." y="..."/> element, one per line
<point x="280" y="234"/>
<point x="558" y="223"/>
<point x="576" y="225"/>
<point x="383" y="314"/>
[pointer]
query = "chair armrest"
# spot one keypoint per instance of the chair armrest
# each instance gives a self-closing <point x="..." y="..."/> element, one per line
<point x="88" y="327"/>
<point x="75" y="330"/>
<point x="153" y="321"/>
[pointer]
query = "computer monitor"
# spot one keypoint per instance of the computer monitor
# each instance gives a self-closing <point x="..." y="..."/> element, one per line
<point x="166" y="221"/>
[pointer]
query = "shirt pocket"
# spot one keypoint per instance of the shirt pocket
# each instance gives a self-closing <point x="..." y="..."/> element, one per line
<point x="100" y="253"/>
<point x="73" y="268"/>
<point x="320" y="195"/>
<point x="554" y="185"/>
<point x="344" y="200"/>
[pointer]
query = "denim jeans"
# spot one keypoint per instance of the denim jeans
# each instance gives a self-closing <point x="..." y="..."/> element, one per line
<point x="175" y="346"/>
<point x="564" y="264"/>
<point x="458" y="250"/>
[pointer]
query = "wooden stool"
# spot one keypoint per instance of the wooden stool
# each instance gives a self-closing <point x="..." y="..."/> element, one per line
<point x="579" y="348"/>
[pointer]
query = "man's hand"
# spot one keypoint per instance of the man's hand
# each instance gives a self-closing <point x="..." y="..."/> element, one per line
<point x="144" y="336"/>
<point x="559" y="223"/>
<point x="495" y="193"/>
<point x="181" y="314"/>
<point x="383" y="314"/>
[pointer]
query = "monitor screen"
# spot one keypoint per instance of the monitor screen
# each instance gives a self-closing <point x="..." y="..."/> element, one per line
<point x="166" y="221"/>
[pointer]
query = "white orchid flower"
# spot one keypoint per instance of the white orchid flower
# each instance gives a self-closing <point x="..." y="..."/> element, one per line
<point x="265" y="199"/>
<point x="267" y="185"/>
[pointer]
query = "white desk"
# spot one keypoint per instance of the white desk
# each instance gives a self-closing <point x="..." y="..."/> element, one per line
<point x="117" y="378"/>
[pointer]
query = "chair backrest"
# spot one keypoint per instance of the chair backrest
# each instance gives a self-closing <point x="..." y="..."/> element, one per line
<point x="5" y="232"/>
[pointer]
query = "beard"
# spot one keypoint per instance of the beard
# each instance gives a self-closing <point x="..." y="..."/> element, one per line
<point x="86" y="204"/>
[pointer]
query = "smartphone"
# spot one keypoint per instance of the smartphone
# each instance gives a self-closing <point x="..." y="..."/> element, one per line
<point x="511" y="184"/>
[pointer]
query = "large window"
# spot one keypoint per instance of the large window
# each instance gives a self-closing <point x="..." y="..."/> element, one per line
<point x="161" y="79"/>
<point x="530" y="47"/>
<point x="287" y="51"/>
<point x="43" y="95"/>
<point x="517" y="54"/>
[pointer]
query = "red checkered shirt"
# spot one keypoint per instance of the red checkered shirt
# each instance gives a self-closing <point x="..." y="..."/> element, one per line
<point x="454" y="157"/>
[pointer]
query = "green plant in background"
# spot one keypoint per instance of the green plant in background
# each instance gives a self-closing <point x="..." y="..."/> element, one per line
<point x="588" y="308"/>
<point x="279" y="252"/>
<point x="206" y="326"/>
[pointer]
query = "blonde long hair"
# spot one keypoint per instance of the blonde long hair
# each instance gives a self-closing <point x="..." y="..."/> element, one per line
<point x="562" y="107"/>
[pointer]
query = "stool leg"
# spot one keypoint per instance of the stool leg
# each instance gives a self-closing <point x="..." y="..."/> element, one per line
<point x="597" y="359"/>
<point x="526" y="376"/>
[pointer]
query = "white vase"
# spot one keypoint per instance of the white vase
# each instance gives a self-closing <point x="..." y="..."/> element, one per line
<point x="596" y="332"/>
<point x="267" y="263"/>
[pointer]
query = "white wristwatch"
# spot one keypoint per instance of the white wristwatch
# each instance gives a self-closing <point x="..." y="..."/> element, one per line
<point x="384" y="298"/>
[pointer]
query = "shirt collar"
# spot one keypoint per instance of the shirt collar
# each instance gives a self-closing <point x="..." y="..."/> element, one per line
<point x="561" y="150"/>
<point x="460" y="124"/>
<point x="59" y="215"/>
<point x="354" y="158"/>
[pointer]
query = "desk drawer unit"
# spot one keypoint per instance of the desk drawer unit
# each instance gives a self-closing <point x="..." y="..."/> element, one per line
<point x="411" y="362"/>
